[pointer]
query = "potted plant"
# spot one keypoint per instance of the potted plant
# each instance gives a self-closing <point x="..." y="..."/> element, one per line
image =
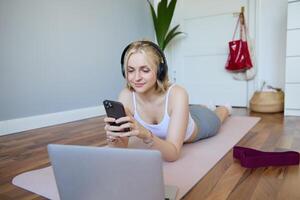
<point x="162" y="20"/>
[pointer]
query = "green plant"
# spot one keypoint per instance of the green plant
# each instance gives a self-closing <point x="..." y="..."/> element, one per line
<point x="162" y="21"/>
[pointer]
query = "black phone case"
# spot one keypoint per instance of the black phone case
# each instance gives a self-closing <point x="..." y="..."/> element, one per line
<point x="115" y="110"/>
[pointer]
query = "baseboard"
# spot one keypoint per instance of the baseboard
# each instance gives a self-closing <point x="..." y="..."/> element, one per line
<point x="292" y="112"/>
<point x="39" y="121"/>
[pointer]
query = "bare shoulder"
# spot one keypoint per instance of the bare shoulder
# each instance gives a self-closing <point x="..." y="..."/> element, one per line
<point x="178" y="95"/>
<point x="178" y="92"/>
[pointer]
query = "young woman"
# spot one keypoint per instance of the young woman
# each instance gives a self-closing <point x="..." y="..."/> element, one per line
<point x="158" y="113"/>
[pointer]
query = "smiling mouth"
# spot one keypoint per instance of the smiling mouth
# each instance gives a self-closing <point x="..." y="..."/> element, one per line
<point x="139" y="85"/>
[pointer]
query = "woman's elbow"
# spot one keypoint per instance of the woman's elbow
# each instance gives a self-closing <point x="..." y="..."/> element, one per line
<point x="172" y="154"/>
<point x="172" y="158"/>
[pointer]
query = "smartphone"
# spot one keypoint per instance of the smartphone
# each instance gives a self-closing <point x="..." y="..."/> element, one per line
<point x="115" y="110"/>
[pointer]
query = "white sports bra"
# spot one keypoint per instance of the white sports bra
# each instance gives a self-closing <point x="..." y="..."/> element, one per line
<point x="161" y="129"/>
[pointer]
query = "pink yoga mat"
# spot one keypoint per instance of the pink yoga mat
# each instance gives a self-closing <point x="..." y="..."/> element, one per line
<point x="196" y="160"/>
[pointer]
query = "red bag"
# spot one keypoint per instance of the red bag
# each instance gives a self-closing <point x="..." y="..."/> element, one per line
<point x="239" y="59"/>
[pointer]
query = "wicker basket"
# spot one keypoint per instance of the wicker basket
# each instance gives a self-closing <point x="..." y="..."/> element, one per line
<point x="267" y="102"/>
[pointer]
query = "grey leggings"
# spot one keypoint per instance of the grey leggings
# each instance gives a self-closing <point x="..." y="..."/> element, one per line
<point x="206" y="120"/>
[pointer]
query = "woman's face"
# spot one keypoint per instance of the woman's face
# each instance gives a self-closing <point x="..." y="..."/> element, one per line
<point x="140" y="75"/>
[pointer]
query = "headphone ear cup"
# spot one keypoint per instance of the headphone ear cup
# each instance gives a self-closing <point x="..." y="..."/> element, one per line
<point x="122" y="59"/>
<point x="123" y="70"/>
<point x="161" y="72"/>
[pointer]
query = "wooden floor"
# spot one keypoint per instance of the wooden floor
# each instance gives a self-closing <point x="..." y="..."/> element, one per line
<point x="227" y="180"/>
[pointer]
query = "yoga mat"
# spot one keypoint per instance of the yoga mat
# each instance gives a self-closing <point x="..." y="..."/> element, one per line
<point x="196" y="160"/>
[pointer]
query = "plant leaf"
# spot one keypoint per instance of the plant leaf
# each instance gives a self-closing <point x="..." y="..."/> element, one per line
<point x="169" y="13"/>
<point x="170" y="36"/>
<point x="167" y="42"/>
<point x="171" y="32"/>
<point x="161" y="21"/>
<point x="154" y="18"/>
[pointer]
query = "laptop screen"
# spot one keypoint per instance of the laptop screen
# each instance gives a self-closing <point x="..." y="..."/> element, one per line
<point x="89" y="173"/>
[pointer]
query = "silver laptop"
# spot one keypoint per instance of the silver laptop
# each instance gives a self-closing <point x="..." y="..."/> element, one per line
<point x="96" y="173"/>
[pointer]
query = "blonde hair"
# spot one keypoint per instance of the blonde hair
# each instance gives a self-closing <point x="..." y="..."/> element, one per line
<point x="153" y="58"/>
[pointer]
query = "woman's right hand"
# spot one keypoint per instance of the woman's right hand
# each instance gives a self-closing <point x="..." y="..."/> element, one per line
<point x="112" y="135"/>
<point x="129" y="127"/>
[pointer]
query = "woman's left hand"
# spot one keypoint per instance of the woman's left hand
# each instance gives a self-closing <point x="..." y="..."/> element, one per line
<point x="129" y="123"/>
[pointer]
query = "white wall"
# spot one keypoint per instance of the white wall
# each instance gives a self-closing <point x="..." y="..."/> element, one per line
<point x="272" y="22"/>
<point x="267" y="21"/>
<point x="60" y="59"/>
<point x="59" y="55"/>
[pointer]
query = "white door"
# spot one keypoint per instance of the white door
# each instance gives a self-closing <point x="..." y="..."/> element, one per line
<point x="199" y="57"/>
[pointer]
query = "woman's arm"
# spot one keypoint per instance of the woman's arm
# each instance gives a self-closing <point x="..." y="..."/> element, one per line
<point x="179" y="116"/>
<point x="168" y="149"/>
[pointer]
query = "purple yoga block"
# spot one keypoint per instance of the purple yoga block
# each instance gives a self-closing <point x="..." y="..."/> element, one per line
<point x="252" y="158"/>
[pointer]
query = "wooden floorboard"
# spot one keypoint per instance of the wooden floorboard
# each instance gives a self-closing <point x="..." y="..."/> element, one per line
<point x="26" y="151"/>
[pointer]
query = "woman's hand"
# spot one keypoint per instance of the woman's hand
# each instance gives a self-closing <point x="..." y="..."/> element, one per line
<point x="115" y="132"/>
